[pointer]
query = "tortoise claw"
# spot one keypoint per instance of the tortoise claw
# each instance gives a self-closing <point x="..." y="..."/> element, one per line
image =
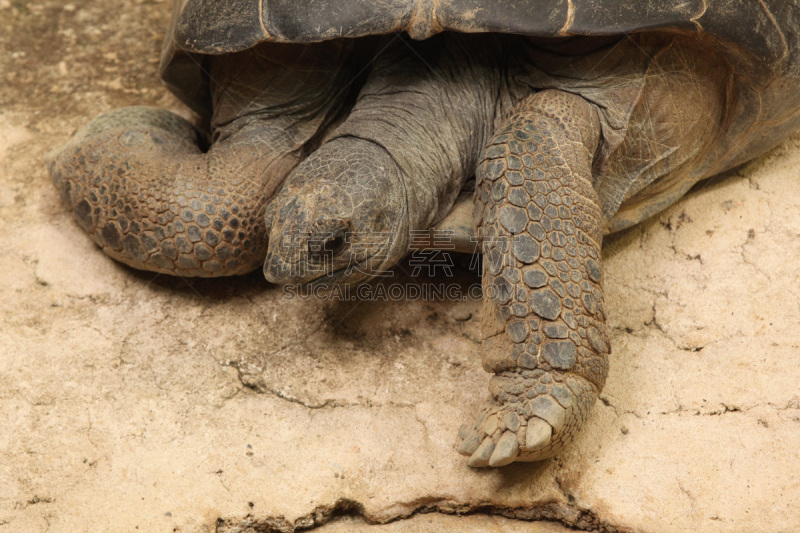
<point x="470" y="443"/>
<point x="505" y="451"/>
<point x="482" y="454"/>
<point x="538" y="434"/>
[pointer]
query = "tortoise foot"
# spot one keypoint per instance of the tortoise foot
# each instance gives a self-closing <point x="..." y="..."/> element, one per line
<point x="536" y="414"/>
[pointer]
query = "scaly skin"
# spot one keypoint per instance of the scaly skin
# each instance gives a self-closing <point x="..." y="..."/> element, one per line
<point x="334" y="215"/>
<point x="543" y="320"/>
<point x="139" y="183"/>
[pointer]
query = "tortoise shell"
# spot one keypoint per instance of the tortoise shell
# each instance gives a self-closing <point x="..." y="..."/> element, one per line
<point x="756" y="43"/>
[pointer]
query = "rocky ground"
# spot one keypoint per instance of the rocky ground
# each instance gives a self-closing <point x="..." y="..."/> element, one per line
<point x="132" y="401"/>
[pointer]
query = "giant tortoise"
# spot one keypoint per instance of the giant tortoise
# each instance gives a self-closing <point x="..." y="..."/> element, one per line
<point x="335" y="130"/>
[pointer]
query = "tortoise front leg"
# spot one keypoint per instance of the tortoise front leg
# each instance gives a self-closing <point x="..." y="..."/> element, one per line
<point x="139" y="183"/>
<point x="543" y="320"/>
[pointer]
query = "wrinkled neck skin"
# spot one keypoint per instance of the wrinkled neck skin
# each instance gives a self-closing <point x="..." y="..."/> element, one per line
<point x="271" y="101"/>
<point x="431" y="105"/>
<point x="396" y="164"/>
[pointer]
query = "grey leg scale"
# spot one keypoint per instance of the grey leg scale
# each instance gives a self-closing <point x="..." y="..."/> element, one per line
<point x="543" y="320"/>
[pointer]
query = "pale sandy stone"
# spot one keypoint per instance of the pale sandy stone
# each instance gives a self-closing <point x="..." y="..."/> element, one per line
<point x="132" y="400"/>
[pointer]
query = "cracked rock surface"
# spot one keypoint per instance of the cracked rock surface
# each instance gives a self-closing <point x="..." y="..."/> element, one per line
<point x="131" y="400"/>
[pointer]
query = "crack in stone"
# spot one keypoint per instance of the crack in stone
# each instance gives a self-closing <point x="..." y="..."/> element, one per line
<point x="570" y="515"/>
<point x="684" y="255"/>
<point x="793" y="404"/>
<point x="260" y="387"/>
<point x="283" y="396"/>
<point x="688" y="494"/>
<point x="617" y="411"/>
<point x="36" y="499"/>
<point x="655" y="324"/>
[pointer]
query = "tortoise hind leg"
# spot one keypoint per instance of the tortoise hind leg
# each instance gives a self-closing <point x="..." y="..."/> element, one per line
<point x="543" y="320"/>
